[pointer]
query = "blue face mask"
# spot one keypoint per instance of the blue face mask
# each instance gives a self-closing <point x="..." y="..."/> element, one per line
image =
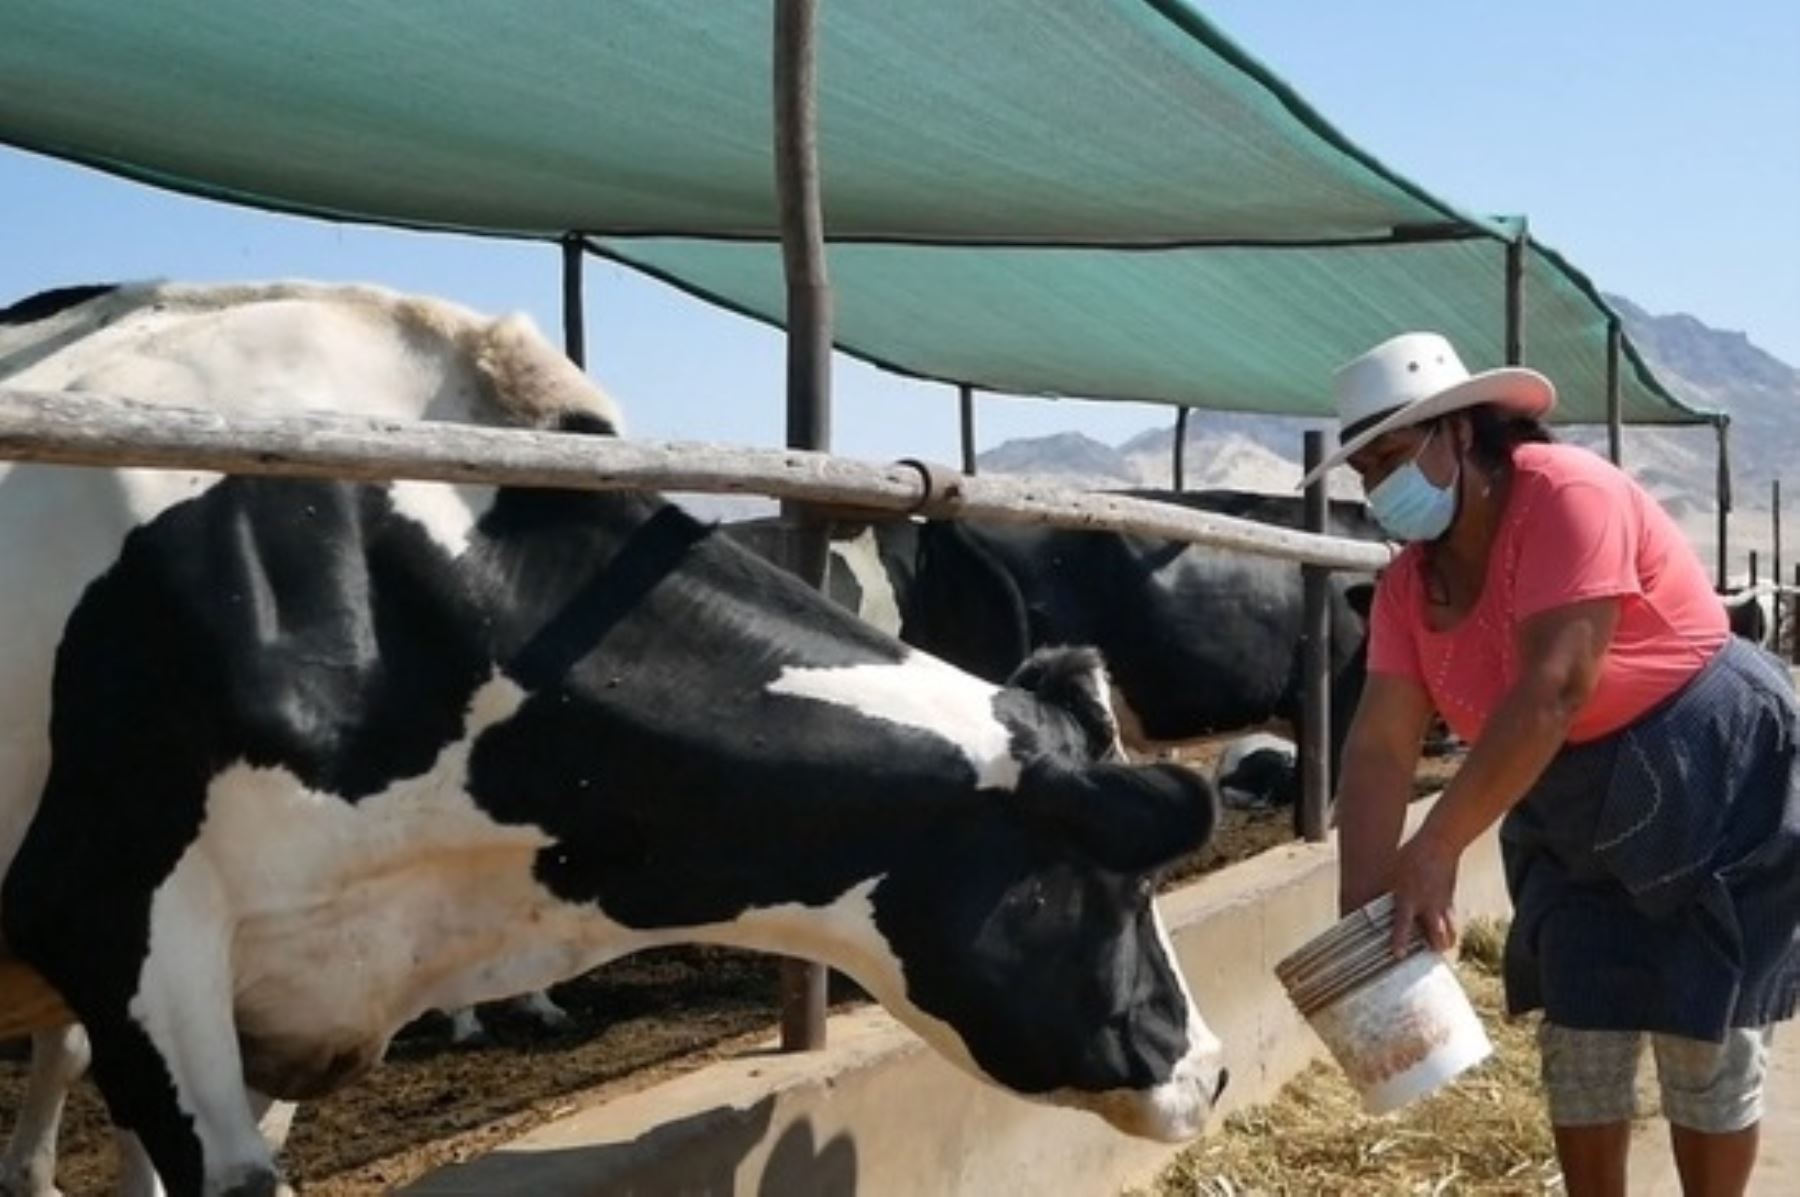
<point x="1410" y="506"/>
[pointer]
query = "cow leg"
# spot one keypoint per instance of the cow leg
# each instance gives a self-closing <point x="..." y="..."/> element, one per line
<point x="137" y="1175"/>
<point x="166" y="1057"/>
<point x="466" y="1029"/>
<point x="58" y="1058"/>
<point x="538" y="1006"/>
<point x="275" y="1119"/>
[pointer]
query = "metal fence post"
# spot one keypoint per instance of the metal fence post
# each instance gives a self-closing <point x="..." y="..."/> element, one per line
<point x="1178" y="463"/>
<point x="1721" y="426"/>
<point x="1615" y="433"/>
<point x="966" y="404"/>
<point x="1515" y="298"/>
<point x="1794" y="609"/>
<point x="574" y="312"/>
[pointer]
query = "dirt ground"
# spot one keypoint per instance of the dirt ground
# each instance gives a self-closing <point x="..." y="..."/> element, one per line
<point x="637" y="1020"/>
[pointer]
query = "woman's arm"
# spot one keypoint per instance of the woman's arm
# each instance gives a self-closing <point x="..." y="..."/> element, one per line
<point x="1561" y="652"/>
<point x="1381" y="755"/>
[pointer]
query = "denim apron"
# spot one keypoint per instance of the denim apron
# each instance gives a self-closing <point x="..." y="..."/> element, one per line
<point x="1655" y="872"/>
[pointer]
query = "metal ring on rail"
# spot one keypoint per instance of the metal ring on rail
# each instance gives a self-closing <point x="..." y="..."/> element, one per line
<point x="942" y="489"/>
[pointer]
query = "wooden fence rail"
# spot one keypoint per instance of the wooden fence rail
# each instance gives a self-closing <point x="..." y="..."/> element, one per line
<point x="96" y="430"/>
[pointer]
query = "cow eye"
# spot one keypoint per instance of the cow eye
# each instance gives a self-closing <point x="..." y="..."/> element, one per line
<point x="1028" y="901"/>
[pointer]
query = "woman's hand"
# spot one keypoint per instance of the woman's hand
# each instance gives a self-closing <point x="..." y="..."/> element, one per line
<point x="1424" y="886"/>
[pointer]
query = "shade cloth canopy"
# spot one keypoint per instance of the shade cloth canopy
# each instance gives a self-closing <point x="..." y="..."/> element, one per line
<point x="1104" y="198"/>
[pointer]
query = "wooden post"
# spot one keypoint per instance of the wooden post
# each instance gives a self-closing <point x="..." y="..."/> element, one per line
<point x="1614" y="419"/>
<point x="1178" y="466"/>
<point x="574" y="313"/>
<point x="966" y="402"/>
<point x="808" y="375"/>
<point x="1515" y="299"/>
<point x="1315" y="664"/>
<point x="1721" y="425"/>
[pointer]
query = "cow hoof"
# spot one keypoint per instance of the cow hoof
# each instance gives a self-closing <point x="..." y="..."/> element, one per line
<point x="559" y="1022"/>
<point x="260" y="1182"/>
<point x="18" y="1182"/>
<point x="8" y="1188"/>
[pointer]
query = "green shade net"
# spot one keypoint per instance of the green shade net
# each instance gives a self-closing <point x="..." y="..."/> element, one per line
<point x="1094" y="197"/>
<point x="1253" y="330"/>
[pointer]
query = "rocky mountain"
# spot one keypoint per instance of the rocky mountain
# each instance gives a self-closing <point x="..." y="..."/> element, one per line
<point x="1077" y="459"/>
<point x="1709" y="367"/>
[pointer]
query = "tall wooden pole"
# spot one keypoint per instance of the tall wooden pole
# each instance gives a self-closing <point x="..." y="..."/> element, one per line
<point x="802" y="225"/>
<point x="808" y="375"/>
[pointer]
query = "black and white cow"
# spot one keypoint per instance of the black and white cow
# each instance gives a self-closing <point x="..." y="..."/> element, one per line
<point x="1258" y="771"/>
<point x="1197" y="640"/>
<point x="1751" y="612"/>
<point x="284" y="763"/>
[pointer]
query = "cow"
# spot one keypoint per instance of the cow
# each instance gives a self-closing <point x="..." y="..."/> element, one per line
<point x="1751" y="612"/>
<point x="1197" y="640"/>
<point x="1258" y="771"/>
<point x="285" y="763"/>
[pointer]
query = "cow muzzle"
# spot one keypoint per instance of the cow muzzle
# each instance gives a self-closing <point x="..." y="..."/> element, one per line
<point x="1175" y="1110"/>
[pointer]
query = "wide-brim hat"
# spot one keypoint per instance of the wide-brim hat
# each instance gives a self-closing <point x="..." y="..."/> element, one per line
<point x="1415" y="378"/>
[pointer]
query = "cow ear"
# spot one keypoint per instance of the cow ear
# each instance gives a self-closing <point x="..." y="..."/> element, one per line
<point x="1073" y="679"/>
<point x="1129" y="818"/>
<point x="1361" y="598"/>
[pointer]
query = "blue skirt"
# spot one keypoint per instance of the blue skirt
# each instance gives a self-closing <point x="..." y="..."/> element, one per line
<point x="1655" y="873"/>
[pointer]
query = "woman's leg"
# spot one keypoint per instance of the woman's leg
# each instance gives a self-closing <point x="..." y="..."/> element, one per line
<point x="1714" y="1165"/>
<point x="1590" y="1084"/>
<point x="1593" y="1158"/>
<point x="1713" y="1099"/>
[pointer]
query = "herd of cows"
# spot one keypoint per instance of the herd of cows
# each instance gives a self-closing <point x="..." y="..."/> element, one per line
<point x="286" y="763"/>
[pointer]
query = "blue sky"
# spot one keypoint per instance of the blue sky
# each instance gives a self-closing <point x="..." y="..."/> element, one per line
<point x="1657" y="144"/>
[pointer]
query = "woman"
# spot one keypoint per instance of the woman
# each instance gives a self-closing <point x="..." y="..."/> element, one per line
<point x="1643" y="758"/>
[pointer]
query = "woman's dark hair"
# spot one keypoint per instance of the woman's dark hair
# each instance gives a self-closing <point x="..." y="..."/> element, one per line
<point x="1495" y="433"/>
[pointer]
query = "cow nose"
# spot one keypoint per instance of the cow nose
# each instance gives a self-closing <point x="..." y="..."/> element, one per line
<point x="1224" y="1078"/>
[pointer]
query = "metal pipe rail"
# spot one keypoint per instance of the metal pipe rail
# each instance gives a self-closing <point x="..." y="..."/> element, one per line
<point x="87" y="429"/>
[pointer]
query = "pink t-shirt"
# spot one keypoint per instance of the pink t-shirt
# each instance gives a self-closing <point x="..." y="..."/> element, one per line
<point x="1574" y="528"/>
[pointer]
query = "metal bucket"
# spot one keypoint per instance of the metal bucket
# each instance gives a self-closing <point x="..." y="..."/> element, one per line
<point x="1399" y="1028"/>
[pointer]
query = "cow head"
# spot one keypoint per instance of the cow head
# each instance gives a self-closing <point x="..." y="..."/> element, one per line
<point x="1027" y="938"/>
